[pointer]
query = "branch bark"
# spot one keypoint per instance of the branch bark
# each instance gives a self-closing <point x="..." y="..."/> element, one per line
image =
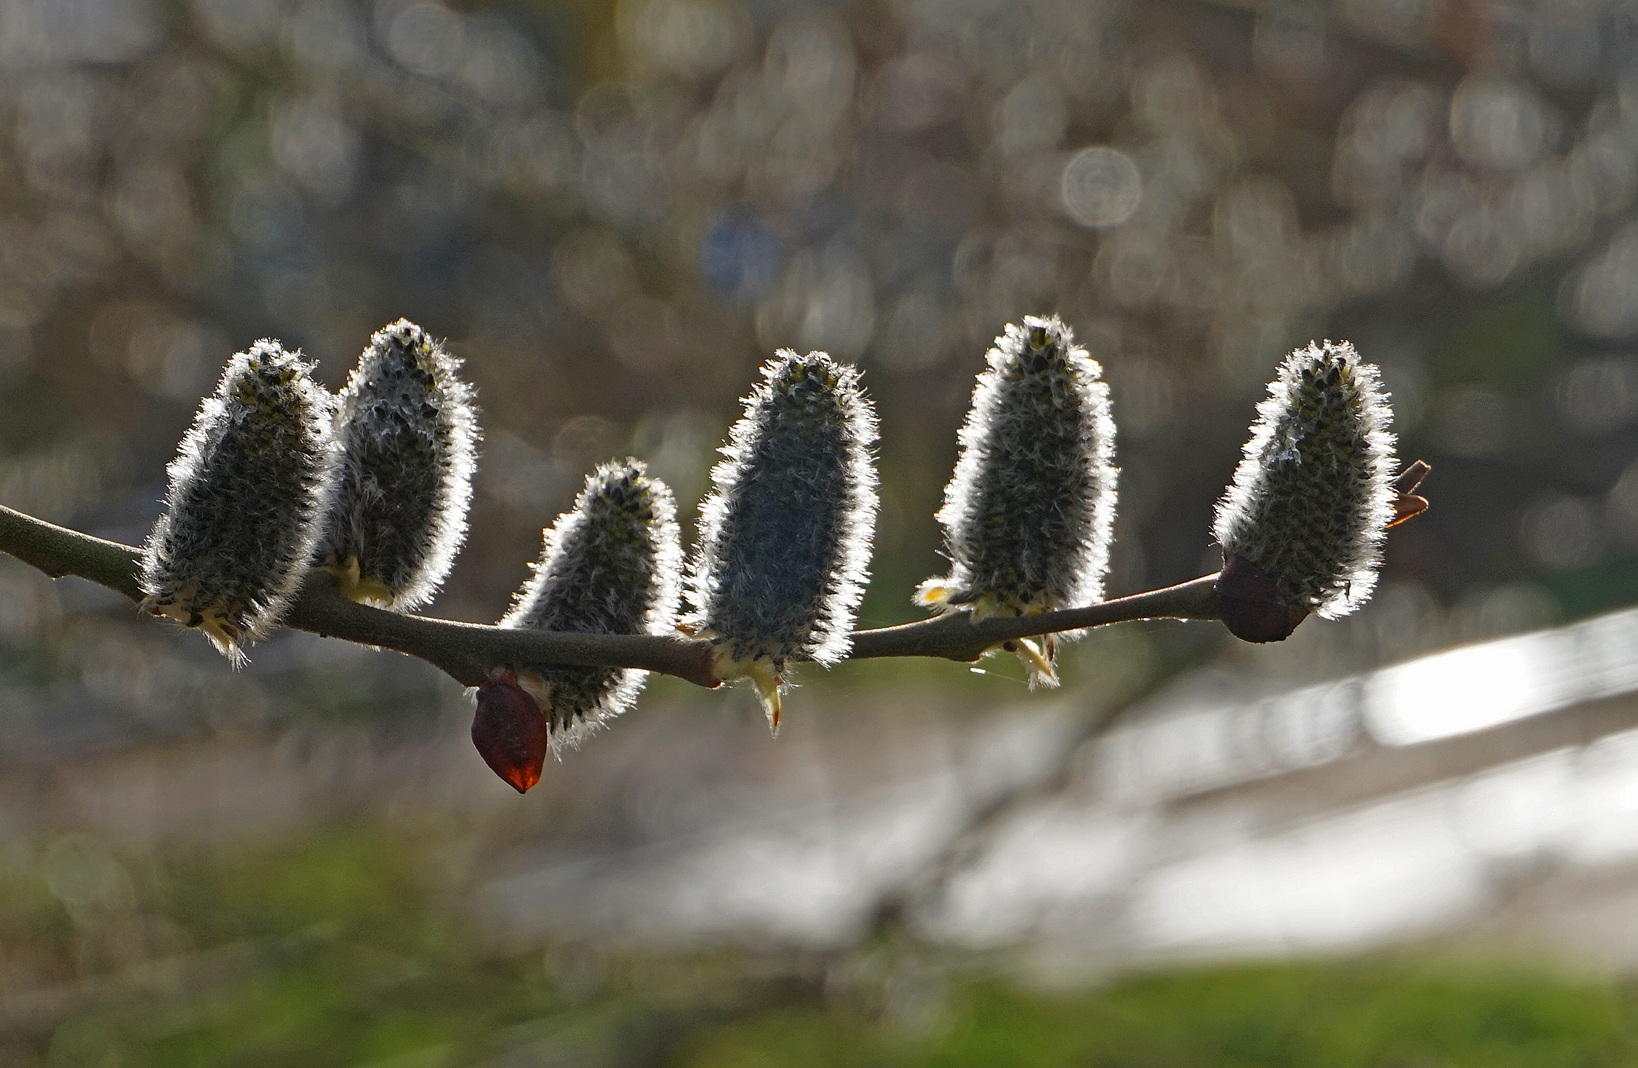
<point x="466" y="651"/>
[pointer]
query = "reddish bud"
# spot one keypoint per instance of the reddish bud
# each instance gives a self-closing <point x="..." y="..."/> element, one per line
<point x="510" y="731"/>
<point x="1406" y="504"/>
<point x="1252" y="608"/>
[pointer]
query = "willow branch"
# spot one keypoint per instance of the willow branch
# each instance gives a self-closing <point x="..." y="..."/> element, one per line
<point x="957" y="636"/>
<point x="467" y="651"/>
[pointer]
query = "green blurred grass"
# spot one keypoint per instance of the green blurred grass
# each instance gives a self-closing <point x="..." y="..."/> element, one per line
<point x="1339" y="1014"/>
<point x="353" y="947"/>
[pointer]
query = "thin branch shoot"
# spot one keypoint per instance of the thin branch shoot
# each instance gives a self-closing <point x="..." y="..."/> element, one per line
<point x="466" y="651"/>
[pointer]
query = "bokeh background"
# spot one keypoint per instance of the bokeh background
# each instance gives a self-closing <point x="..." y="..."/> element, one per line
<point x="615" y="212"/>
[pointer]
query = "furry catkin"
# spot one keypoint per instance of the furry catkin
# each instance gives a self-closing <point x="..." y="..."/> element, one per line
<point x="1313" y="495"/>
<point x="406" y="431"/>
<point x="609" y="566"/>
<point x="1029" y="512"/>
<point x="784" y="545"/>
<point x="248" y="489"/>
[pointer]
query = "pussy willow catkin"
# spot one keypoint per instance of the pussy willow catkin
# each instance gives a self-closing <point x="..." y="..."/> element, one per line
<point x="248" y="489"/>
<point x="1029" y="512"/>
<point x="609" y="566"/>
<point x="784" y="545"/>
<point x="1313" y="495"/>
<point x="406" y="430"/>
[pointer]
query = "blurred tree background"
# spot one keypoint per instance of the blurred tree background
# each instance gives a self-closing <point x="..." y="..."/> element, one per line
<point x="615" y="212"/>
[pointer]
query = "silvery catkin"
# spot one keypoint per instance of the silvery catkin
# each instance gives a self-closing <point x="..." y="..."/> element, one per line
<point x="1029" y="511"/>
<point x="247" y="495"/>
<point x="1313" y="495"/>
<point x="784" y="544"/>
<point x="609" y="566"/>
<point x="406" y="431"/>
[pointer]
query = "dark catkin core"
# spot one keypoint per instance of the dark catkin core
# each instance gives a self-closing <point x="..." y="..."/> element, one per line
<point x="1029" y="511"/>
<point x="407" y="434"/>
<point x="246" y="497"/>
<point x="785" y="536"/>
<point x="1312" y="497"/>
<point x="610" y="566"/>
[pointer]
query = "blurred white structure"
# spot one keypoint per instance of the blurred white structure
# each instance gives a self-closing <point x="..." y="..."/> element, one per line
<point x="1434" y="795"/>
